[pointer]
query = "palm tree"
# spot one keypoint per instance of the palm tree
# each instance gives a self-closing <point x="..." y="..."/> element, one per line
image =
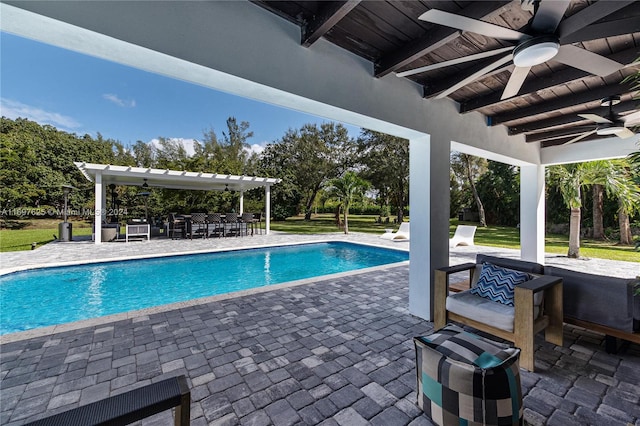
<point x="348" y="187"/>
<point x="569" y="178"/>
<point x="614" y="177"/>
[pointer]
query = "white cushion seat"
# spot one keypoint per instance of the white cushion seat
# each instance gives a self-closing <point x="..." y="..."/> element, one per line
<point x="481" y="309"/>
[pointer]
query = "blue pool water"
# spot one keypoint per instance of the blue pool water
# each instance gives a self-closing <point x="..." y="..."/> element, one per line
<point x="49" y="296"/>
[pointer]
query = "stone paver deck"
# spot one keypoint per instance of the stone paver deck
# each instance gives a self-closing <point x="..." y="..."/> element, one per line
<point x="335" y="352"/>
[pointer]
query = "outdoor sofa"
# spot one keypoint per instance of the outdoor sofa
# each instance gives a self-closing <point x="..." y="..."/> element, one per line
<point x="600" y="303"/>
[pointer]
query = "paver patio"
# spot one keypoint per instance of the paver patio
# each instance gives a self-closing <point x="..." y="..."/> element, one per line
<point x="334" y="351"/>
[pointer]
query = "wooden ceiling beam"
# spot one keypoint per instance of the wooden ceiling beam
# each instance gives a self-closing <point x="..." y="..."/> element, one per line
<point x="570" y="119"/>
<point x="327" y="17"/>
<point x="574" y="99"/>
<point x="533" y="85"/>
<point x="589" y="15"/>
<point x="605" y="29"/>
<point x="433" y="39"/>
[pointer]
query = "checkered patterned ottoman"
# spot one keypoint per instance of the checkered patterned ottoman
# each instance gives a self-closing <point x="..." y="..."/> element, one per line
<point x="464" y="379"/>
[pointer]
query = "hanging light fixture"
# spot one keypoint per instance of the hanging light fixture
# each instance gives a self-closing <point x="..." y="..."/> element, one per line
<point x="226" y="187"/>
<point x="145" y="184"/>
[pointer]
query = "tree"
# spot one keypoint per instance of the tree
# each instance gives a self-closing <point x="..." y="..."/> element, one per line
<point x="384" y="160"/>
<point x="470" y="168"/>
<point x="598" y="202"/>
<point x="614" y="178"/>
<point x="307" y="159"/>
<point x="499" y="188"/>
<point x="570" y="179"/>
<point x="348" y="188"/>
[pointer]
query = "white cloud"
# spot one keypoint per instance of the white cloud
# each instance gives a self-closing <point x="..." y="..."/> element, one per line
<point x="120" y="102"/>
<point x="14" y="109"/>
<point x="186" y="143"/>
<point x="255" y="148"/>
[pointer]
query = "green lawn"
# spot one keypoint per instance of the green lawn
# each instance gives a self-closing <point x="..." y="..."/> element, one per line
<point x="493" y="236"/>
<point x="42" y="231"/>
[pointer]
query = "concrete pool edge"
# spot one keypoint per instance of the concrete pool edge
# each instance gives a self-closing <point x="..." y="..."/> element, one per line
<point x="142" y="313"/>
<point x="12" y="270"/>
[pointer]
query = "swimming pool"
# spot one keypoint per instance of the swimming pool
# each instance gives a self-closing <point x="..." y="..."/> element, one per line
<point x="51" y="296"/>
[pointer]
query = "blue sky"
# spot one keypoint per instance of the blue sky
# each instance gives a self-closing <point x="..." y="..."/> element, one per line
<point x="82" y="94"/>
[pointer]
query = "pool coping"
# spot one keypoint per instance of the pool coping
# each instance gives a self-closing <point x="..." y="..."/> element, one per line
<point x="142" y="314"/>
<point x="12" y="270"/>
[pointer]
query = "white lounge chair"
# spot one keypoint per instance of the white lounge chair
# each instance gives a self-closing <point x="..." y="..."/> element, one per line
<point x="463" y="236"/>
<point x="401" y="235"/>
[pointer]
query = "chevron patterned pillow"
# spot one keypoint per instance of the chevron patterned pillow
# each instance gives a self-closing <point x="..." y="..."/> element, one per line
<point x="497" y="284"/>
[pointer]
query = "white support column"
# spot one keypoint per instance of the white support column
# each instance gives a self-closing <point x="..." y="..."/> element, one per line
<point x="99" y="207"/>
<point x="429" y="203"/>
<point x="532" y="213"/>
<point x="267" y="209"/>
<point x="241" y="202"/>
<point x="103" y="212"/>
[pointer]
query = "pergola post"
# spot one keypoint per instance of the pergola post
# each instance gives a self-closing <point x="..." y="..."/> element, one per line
<point x="429" y="201"/>
<point x="532" y="209"/>
<point x="97" y="216"/>
<point x="267" y="209"/>
<point x="241" y="202"/>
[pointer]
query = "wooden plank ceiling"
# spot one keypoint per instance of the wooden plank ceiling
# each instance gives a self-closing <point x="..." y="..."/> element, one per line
<point x="389" y="34"/>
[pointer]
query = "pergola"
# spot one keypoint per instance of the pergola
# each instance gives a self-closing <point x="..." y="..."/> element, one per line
<point x="103" y="175"/>
<point x="337" y="60"/>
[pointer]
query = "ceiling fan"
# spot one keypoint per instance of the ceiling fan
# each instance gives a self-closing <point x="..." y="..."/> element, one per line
<point x="612" y="124"/>
<point x="538" y="43"/>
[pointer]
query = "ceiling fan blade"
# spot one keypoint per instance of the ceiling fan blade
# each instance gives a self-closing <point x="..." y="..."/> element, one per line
<point x="577" y="138"/>
<point x="596" y="118"/>
<point x="587" y="61"/>
<point x="463" y="23"/>
<point x="475" y="76"/>
<point x="549" y="15"/>
<point x="625" y="134"/>
<point x="515" y="82"/>
<point x="631" y="118"/>
<point x="453" y="62"/>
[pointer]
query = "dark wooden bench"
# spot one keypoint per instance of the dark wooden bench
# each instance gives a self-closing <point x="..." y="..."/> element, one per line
<point x="130" y="406"/>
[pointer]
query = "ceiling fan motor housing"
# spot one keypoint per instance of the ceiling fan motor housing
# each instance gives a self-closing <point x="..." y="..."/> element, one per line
<point x="536" y="50"/>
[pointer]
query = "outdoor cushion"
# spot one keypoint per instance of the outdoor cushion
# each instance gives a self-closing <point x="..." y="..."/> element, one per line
<point x="467" y="379"/>
<point x="481" y="309"/>
<point x="497" y="284"/>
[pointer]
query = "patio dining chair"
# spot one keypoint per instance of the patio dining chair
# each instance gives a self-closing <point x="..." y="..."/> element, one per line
<point x="199" y="225"/>
<point x="233" y="226"/>
<point x="247" y="221"/>
<point x="177" y="225"/>
<point x="257" y="221"/>
<point x="215" y="225"/>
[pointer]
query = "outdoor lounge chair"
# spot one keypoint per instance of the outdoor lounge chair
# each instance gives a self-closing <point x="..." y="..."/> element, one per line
<point x="463" y="236"/>
<point x="401" y="235"/>
<point x="131" y="406"/>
